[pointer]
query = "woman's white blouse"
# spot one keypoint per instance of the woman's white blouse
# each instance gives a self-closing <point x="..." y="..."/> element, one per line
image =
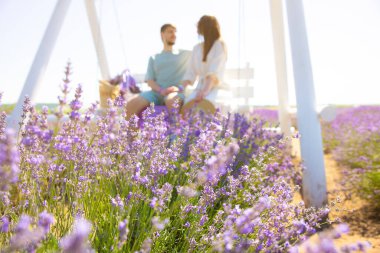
<point x="214" y="64"/>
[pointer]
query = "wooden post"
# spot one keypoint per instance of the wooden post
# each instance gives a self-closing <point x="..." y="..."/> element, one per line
<point x="280" y="61"/>
<point x="314" y="179"/>
<point x="97" y="38"/>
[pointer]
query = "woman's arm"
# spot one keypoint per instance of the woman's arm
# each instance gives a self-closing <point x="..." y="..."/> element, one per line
<point x="210" y="82"/>
<point x="215" y="72"/>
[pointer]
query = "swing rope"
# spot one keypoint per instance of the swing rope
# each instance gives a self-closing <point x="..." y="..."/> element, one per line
<point x="121" y="37"/>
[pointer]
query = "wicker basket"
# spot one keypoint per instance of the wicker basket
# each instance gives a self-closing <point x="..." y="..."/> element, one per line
<point x="106" y="91"/>
<point x="203" y="105"/>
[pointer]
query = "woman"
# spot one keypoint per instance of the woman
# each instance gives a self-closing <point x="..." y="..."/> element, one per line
<point x="207" y="64"/>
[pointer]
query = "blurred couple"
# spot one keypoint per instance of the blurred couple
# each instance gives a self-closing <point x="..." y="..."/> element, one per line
<point x="171" y="71"/>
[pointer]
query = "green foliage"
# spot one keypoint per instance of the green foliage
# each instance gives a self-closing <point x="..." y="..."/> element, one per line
<point x="370" y="187"/>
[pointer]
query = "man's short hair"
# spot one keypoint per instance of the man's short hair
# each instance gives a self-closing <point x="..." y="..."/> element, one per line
<point x="166" y="26"/>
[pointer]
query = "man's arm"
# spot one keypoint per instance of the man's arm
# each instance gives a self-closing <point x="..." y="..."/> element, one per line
<point x="150" y="76"/>
<point x="154" y="86"/>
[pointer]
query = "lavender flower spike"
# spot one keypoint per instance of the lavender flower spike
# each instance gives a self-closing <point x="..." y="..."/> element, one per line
<point x="5" y="224"/>
<point x="45" y="220"/>
<point x="76" y="242"/>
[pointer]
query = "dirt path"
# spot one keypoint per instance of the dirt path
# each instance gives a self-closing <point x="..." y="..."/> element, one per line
<point x="364" y="222"/>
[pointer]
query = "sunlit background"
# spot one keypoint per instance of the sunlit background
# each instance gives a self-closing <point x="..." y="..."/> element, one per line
<point x="343" y="35"/>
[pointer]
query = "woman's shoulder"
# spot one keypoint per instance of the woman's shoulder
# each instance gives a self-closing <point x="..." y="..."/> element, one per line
<point x="198" y="46"/>
<point x="220" y="46"/>
<point x="220" y="43"/>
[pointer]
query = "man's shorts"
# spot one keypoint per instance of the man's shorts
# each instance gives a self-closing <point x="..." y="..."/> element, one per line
<point x="157" y="99"/>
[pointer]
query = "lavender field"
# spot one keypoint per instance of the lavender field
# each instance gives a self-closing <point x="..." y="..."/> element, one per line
<point x="101" y="183"/>
<point x="353" y="138"/>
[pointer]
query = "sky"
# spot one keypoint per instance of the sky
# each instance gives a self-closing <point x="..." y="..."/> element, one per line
<point x="343" y="40"/>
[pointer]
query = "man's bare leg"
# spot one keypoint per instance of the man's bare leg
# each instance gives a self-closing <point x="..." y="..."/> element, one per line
<point x="136" y="105"/>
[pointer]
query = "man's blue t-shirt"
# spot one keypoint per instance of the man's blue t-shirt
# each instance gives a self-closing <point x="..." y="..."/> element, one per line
<point x="168" y="67"/>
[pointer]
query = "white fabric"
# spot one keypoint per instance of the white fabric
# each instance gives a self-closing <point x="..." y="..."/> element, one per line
<point x="214" y="65"/>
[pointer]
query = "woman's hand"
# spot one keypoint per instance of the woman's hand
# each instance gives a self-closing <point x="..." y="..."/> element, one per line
<point x="202" y="93"/>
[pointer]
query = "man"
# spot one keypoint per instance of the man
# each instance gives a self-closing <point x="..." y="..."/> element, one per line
<point x="164" y="75"/>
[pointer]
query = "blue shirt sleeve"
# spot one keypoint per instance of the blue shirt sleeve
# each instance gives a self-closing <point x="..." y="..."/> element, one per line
<point x="150" y="74"/>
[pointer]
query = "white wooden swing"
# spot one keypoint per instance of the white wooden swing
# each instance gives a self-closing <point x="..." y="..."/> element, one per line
<point x="314" y="182"/>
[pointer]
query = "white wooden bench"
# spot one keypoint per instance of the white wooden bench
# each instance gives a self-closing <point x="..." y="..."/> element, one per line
<point x="239" y="94"/>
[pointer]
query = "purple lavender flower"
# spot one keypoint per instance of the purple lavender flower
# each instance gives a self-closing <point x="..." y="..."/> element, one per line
<point x="117" y="202"/>
<point x="5" y="224"/>
<point x="76" y="242"/>
<point x="300" y="226"/>
<point x="45" y="220"/>
<point x="203" y="220"/>
<point x="216" y="166"/>
<point x="26" y="238"/>
<point x="158" y="224"/>
<point x="231" y="175"/>
<point x="123" y="232"/>
<point x="9" y="159"/>
<point x="74" y="115"/>
<point x="23" y="224"/>
<point x="326" y="244"/>
<point x="75" y="105"/>
<point x="146" y="246"/>
<point x="163" y="196"/>
<point x="3" y="117"/>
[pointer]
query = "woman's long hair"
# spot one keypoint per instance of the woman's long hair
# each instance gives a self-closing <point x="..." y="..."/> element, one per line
<point x="209" y="27"/>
